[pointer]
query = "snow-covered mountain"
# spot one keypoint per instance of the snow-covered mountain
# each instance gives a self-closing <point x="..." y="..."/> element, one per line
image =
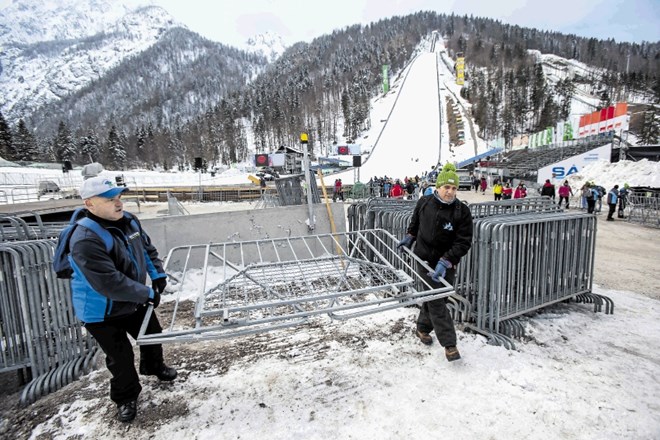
<point x="52" y="49"/>
<point x="25" y="22"/>
<point x="268" y="44"/>
<point x="98" y="63"/>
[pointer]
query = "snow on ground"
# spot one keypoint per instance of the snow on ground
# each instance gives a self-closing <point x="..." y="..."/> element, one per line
<point x="579" y="375"/>
<point x="642" y="173"/>
<point x="415" y="146"/>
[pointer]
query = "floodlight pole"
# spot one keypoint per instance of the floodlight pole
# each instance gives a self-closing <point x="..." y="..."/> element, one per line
<point x="303" y="142"/>
<point x="200" y="194"/>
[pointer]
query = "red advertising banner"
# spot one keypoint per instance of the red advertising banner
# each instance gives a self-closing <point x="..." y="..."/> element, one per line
<point x="595" y="121"/>
<point x="621" y="109"/>
<point x="610" y="112"/>
<point x="607" y="119"/>
<point x="610" y="118"/>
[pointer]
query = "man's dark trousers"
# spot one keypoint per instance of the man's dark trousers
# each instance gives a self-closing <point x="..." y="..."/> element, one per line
<point x="434" y="315"/>
<point x="112" y="337"/>
<point x="611" y="211"/>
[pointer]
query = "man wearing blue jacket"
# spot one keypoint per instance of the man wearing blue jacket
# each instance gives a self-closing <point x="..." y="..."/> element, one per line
<point x="109" y="292"/>
<point x="612" y="199"/>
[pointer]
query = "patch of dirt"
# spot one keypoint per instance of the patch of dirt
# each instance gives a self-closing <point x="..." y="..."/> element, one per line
<point x="210" y="357"/>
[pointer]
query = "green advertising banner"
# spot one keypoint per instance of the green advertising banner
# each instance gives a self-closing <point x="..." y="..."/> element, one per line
<point x="386" y="78"/>
<point x="549" y="135"/>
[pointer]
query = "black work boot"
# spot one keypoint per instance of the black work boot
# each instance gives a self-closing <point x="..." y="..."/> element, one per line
<point x="126" y="412"/>
<point x="162" y="372"/>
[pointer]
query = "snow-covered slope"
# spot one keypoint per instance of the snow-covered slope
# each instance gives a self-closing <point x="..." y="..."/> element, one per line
<point x="268" y="44"/>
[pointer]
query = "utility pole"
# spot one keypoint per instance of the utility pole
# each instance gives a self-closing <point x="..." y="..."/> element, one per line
<point x="625" y="87"/>
<point x="311" y="222"/>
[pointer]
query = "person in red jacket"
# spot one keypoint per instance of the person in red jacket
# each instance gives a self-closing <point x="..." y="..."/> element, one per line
<point x="483" y="184"/>
<point x="565" y="191"/>
<point x="338" y="193"/>
<point x="507" y="191"/>
<point x="520" y="192"/>
<point x="397" y="190"/>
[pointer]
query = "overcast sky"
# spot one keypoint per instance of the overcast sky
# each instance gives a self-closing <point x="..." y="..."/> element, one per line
<point x="233" y="22"/>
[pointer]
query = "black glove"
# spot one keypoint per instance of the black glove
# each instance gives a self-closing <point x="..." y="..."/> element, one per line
<point x="407" y="242"/>
<point x="155" y="301"/>
<point x="159" y="287"/>
<point x="159" y="284"/>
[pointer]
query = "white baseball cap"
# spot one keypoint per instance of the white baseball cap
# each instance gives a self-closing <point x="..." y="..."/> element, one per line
<point x="100" y="186"/>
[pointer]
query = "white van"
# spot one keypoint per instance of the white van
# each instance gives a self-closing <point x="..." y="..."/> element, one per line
<point x="464" y="179"/>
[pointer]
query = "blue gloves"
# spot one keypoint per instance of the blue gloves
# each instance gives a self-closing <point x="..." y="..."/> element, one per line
<point x="407" y="242"/>
<point x="440" y="270"/>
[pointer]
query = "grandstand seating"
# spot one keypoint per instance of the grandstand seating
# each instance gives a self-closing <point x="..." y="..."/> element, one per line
<point x="525" y="163"/>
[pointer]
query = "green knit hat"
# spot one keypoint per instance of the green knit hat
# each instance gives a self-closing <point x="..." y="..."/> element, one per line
<point x="447" y="176"/>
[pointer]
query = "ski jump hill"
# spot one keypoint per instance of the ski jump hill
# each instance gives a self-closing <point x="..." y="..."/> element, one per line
<point x="409" y="142"/>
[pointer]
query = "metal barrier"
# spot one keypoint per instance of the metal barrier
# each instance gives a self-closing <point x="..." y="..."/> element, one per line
<point x="526" y="254"/>
<point x="14" y="228"/>
<point x="174" y="207"/>
<point x="272" y="284"/>
<point x="518" y="264"/>
<point x="39" y="333"/>
<point x="644" y="207"/>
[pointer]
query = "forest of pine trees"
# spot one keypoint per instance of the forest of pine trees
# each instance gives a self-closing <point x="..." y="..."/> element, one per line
<point x="313" y="86"/>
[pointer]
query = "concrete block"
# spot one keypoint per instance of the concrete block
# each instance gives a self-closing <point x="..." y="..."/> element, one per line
<point x="252" y="224"/>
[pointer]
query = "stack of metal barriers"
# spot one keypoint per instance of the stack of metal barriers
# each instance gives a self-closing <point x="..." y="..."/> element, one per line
<point x="644" y="207"/>
<point x="526" y="254"/>
<point x="15" y="228"/>
<point x="237" y="288"/>
<point x="40" y="337"/>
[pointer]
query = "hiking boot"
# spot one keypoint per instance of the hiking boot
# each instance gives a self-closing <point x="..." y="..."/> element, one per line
<point x="126" y="412"/>
<point x="424" y="337"/>
<point x="452" y="354"/>
<point x="162" y="372"/>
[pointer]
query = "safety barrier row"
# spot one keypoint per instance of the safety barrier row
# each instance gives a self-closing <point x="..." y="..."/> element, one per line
<point x="526" y="254"/>
<point x="13" y="228"/>
<point x="39" y="334"/>
<point x="644" y="207"/>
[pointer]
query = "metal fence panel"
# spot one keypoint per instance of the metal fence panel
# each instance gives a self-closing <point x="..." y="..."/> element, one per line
<point x="40" y="333"/>
<point x="276" y="283"/>
<point x="526" y="254"/>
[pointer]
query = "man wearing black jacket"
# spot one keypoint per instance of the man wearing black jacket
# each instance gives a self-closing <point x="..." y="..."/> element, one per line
<point x="109" y="292"/>
<point x="548" y="190"/>
<point x="441" y="227"/>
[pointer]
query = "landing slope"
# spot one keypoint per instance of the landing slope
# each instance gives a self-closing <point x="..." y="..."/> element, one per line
<point x="410" y="141"/>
